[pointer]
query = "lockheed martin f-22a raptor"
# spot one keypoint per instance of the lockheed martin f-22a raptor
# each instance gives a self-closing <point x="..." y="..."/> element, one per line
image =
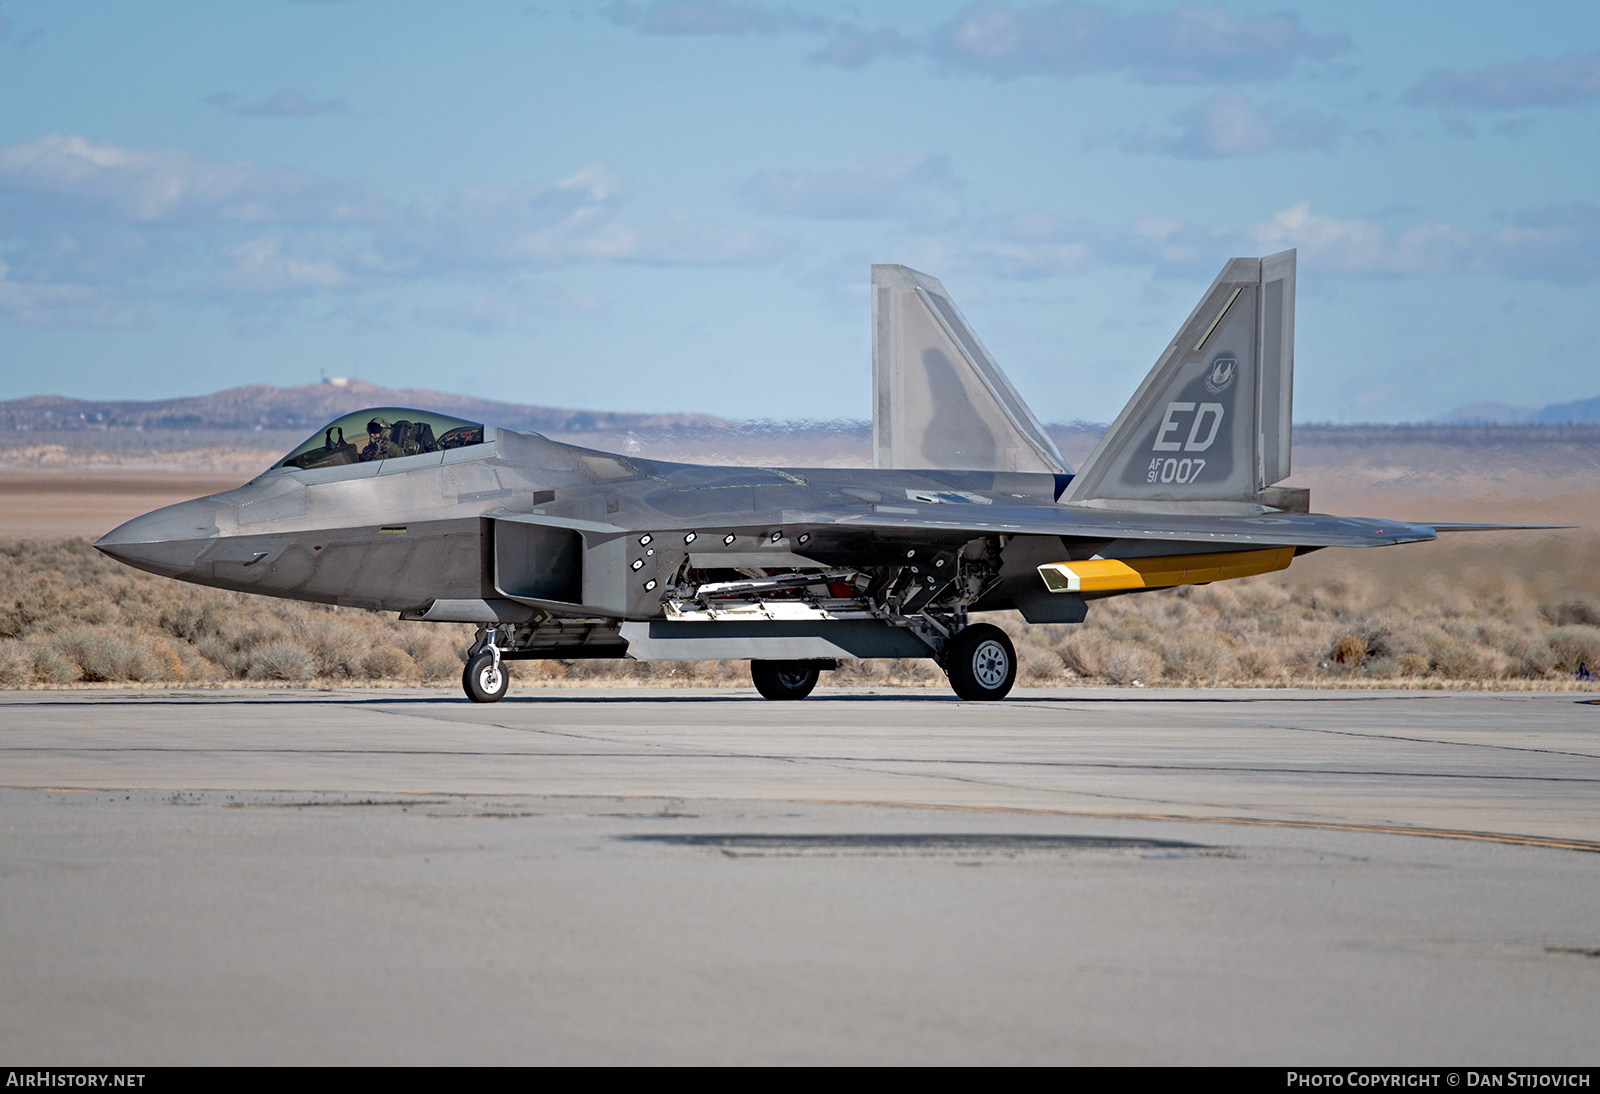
<point x="556" y="551"/>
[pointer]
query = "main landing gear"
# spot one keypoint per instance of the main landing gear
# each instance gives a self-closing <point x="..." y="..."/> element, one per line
<point x="981" y="662"/>
<point x="784" y="679"/>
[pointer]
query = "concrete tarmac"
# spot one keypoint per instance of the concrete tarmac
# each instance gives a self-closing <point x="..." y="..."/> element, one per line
<point x="655" y="876"/>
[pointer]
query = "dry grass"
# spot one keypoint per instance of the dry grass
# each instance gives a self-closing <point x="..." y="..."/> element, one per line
<point x="1497" y="610"/>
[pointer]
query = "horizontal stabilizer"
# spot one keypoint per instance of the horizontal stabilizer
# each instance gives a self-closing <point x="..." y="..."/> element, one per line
<point x="940" y="402"/>
<point x="1208" y="430"/>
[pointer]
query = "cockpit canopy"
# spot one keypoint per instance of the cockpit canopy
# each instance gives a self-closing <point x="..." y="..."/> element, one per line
<point x="382" y="433"/>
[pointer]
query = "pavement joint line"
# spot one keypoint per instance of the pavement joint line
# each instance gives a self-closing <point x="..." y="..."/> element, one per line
<point x="1504" y="838"/>
<point x="1549" y="842"/>
<point x="1433" y="741"/>
<point x="808" y="758"/>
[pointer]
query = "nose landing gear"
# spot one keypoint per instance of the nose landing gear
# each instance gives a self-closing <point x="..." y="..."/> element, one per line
<point x="485" y="679"/>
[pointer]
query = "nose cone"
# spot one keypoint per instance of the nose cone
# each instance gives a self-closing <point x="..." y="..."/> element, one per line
<point x="166" y="542"/>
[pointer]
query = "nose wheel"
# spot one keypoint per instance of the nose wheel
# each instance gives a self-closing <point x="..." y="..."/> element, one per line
<point x="485" y="679"/>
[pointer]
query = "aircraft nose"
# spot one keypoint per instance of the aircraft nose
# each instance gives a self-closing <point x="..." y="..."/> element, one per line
<point x="166" y="542"/>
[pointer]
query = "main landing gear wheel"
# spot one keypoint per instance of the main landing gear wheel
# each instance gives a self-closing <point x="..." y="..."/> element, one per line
<point x="784" y="679"/>
<point x="981" y="662"/>
<point x="484" y="679"/>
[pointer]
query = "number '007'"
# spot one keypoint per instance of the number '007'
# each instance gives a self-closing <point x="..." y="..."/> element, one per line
<point x="1172" y="470"/>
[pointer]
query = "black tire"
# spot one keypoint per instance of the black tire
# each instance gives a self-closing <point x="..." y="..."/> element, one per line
<point x="784" y="679"/>
<point x="981" y="663"/>
<point x="482" y="682"/>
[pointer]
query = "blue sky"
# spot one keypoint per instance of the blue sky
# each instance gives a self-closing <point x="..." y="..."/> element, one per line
<point x="670" y="205"/>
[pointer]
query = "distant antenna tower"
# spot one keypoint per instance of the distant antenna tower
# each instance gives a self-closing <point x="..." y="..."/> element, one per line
<point x="323" y="372"/>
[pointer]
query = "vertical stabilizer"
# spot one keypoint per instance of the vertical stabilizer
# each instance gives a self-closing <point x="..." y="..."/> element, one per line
<point x="939" y="399"/>
<point x="1209" y="427"/>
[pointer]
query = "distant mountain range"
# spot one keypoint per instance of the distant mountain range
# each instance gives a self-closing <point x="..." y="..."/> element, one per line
<point x="305" y="408"/>
<point x="1581" y="412"/>
<point x="261" y="406"/>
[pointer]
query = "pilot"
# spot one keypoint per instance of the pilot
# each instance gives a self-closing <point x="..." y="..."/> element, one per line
<point x="379" y="444"/>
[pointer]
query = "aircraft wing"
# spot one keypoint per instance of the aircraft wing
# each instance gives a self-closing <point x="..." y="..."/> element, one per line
<point x="1278" y="529"/>
<point x="1498" y="527"/>
<point x="953" y="521"/>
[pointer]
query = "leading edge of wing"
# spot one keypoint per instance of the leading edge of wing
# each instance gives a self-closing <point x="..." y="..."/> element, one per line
<point x="1499" y="527"/>
<point x="1285" y="529"/>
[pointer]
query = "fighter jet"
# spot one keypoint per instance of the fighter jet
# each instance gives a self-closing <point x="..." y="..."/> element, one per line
<point x="557" y="551"/>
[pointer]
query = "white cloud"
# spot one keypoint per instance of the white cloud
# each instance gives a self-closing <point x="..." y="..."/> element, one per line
<point x="1362" y="247"/>
<point x="72" y="177"/>
<point x="1229" y="125"/>
<point x="1076" y="38"/>
<point x="46" y="304"/>
<point x="287" y="103"/>
<point x="272" y="264"/>
<point x="713" y="17"/>
<point x="850" y="46"/>
<point x="84" y="219"/>
<point x="505" y="308"/>
<point x="880" y="187"/>
<point x="1559" y="245"/>
<point x="1064" y="40"/>
<point x="1564" y="81"/>
<point x="578" y="219"/>
<point x="1037" y="244"/>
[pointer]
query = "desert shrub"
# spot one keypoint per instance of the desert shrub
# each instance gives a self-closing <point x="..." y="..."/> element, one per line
<point x="1207" y="656"/>
<point x="186" y="618"/>
<point x="50" y="667"/>
<point x="39" y="601"/>
<point x="1134" y="628"/>
<point x="1349" y="649"/>
<point x="437" y="669"/>
<point x="280" y="661"/>
<point x="388" y="663"/>
<point x="1574" y="645"/>
<point x="1533" y="659"/>
<point x="16" y="667"/>
<point x="1401" y="665"/>
<point x="1467" y="661"/>
<point x="1258" y="661"/>
<point x="162" y="661"/>
<point x="1125" y="663"/>
<point x="103" y="655"/>
<point x="95" y="611"/>
<point x="335" y="650"/>
<point x="233" y="660"/>
<point x="1572" y="611"/>
<point x="1081" y="653"/>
